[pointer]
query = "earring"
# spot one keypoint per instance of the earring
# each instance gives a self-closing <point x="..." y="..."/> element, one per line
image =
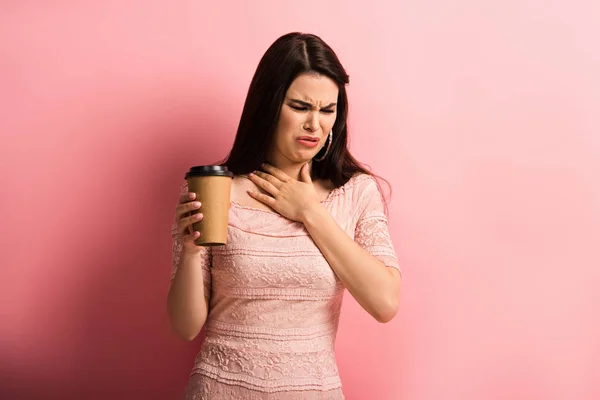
<point x="330" y="140"/>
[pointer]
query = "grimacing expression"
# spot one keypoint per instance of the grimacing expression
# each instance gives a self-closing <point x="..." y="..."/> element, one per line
<point x="307" y="116"/>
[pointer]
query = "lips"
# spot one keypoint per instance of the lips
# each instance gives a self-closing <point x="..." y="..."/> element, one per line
<point x="309" y="138"/>
<point x="308" y="141"/>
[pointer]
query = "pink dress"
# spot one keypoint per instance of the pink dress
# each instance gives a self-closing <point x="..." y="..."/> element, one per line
<point x="275" y="301"/>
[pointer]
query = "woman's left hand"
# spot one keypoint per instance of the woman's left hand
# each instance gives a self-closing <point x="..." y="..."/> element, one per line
<point x="291" y="198"/>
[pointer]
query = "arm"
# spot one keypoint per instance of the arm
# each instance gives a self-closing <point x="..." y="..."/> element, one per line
<point x="375" y="286"/>
<point x="188" y="298"/>
<point x="367" y="266"/>
<point x="189" y="291"/>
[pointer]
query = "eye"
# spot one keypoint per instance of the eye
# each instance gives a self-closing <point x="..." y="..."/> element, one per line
<point x="305" y="109"/>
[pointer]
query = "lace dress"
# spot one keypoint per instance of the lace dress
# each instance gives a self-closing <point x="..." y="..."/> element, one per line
<point x="275" y="301"/>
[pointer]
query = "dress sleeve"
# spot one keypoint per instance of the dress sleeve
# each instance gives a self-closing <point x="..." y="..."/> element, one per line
<point x="372" y="232"/>
<point x="178" y="247"/>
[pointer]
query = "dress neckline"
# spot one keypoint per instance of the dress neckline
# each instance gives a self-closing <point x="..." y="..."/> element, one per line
<point x="331" y="194"/>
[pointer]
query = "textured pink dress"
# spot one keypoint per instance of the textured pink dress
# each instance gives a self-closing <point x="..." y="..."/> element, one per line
<point x="275" y="301"/>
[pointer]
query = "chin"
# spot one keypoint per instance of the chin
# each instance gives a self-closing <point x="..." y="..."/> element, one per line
<point x="301" y="157"/>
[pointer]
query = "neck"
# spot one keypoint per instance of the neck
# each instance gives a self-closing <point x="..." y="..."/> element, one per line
<point x="290" y="168"/>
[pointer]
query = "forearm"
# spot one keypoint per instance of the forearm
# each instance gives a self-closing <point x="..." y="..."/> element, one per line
<point x="375" y="286"/>
<point x="186" y="302"/>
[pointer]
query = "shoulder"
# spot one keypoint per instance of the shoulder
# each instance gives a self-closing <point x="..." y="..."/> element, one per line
<point x="183" y="188"/>
<point x="360" y="184"/>
<point x="367" y="196"/>
<point x="360" y="187"/>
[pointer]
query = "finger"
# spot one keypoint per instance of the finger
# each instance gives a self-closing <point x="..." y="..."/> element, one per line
<point x="189" y="196"/>
<point x="187" y="222"/>
<point x="276" y="172"/>
<point x="269" y="178"/>
<point x="192" y="236"/>
<point x="185" y="208"/>
<point x="305" y="174"/>
<point x="263" y="184"/>
<point x="263" y="198"/>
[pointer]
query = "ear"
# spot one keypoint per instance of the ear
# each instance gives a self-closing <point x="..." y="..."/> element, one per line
<point x="305" y="174"/>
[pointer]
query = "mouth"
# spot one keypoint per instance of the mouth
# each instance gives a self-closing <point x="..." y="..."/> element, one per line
<point x="308" y="141"/>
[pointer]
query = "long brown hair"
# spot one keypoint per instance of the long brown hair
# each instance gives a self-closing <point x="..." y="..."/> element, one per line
<point x="288" y="57"/>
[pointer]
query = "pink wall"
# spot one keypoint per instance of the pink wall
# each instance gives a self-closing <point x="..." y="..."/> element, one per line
<point x="483" y="115"/>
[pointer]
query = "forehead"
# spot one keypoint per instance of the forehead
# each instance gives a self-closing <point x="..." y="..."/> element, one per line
<point x="313" y="88"/>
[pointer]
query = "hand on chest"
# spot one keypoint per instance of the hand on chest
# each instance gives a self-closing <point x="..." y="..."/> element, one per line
<point x="241" y="185"/>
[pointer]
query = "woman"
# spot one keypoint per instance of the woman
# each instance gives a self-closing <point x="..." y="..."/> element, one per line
<point x="306" y="221"/>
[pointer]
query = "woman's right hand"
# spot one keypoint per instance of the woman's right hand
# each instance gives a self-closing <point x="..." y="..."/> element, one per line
<point x="185" y="220"/>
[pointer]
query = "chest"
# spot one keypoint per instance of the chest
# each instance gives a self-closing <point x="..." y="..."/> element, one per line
<point x="267" y="251"/>
<point x="242" y="184"/>
<point x="250" y="260"/>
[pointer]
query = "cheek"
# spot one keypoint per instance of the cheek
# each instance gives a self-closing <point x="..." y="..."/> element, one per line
<point x="288" y="120"/>
<point x="328" y="122"/>
<point x="286" y="126"/>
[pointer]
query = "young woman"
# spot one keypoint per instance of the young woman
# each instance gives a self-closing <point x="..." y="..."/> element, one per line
<point x="306" y="222"/>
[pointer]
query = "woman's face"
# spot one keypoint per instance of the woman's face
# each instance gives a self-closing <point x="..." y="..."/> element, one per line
<point x="307" y="115"/>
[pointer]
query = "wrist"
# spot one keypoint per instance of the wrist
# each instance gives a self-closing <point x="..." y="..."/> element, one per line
<point x="312" y="215"/>
<point x="191" y="253"/>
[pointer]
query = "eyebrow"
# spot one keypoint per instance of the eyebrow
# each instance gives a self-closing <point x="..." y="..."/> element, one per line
<point x="305" y="104"/>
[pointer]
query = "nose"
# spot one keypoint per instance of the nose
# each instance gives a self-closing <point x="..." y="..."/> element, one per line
<point x="312" y="122"/>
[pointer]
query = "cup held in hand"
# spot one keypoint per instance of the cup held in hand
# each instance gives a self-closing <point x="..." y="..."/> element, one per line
<point x="212" y="185"/>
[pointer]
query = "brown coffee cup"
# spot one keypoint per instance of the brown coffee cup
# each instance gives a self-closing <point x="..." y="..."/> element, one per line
<point x="212" y="185"/>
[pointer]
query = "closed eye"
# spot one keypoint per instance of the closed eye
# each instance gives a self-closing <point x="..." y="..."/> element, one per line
<point x="305" y="109"/>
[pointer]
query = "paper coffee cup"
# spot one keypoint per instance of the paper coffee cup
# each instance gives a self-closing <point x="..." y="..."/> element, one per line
<point x="212" y="185"/>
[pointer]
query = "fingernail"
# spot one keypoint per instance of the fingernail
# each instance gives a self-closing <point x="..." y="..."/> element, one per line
<point x="191" y="195"/>
<point x="198" y="216"/>
<point x="197" y="204"/>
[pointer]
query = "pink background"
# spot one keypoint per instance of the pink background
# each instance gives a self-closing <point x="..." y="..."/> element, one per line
<point x="484" y="116"/>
